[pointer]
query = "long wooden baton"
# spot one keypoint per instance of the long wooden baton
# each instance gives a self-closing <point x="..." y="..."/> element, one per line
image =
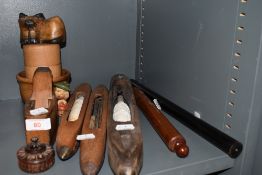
<point x="168" y="133"/>
<point x="219" y="139"/>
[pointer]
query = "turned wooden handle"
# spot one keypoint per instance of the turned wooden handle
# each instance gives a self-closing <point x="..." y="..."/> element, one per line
<point x="168" y="133"/>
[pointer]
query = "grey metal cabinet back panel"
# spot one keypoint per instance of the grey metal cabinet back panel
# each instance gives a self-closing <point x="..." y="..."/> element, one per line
<point x="101" y="39"/>
<point x="187" y="53"/>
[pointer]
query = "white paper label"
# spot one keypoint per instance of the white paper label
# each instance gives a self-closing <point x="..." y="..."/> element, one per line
<point x="37" y="124"/>
<point x="124" y="127"/>
<point x="157" y="104"/>
<point x="85" y="136"/>
<point x="38" y="111"/>
<point x="197" y="114"/>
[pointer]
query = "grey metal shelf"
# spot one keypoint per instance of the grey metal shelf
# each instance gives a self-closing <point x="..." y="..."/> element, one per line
<point x="204" y="158"/>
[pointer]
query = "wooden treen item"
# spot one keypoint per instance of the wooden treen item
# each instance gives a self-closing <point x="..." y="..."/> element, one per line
<point x="26" y="87"/>
<point x="224" y="142"/>
<point x="168" y="133"/>
<point x="93" y="137"/>
<point x="35" y="157"/>
<point x="42" y="55"/>
<point x="125" y="145"/>
<point x="41" y="124"/>
<point x="42" y="87"/>
<point x="71" y="122"/>
<point x="37" y="30"/>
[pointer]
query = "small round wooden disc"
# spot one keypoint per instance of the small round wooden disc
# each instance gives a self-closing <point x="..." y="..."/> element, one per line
<point x="35" y="157"/>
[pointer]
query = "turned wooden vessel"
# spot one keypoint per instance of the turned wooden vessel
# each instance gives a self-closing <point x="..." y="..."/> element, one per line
<point x="42" y="55"/>
<point x="168" y="133"/>
<point x="35" y="157"/>
<point x="42" y="124"/>
<point x="37" y="30"/>
<point x="26" y="87"/>
<point x="71" y="122"/>
<point x="93" y="137"/>
<point x="125" y="146"/>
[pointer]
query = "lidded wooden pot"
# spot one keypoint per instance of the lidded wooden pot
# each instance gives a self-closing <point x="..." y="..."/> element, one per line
<point x="35" y="157"/>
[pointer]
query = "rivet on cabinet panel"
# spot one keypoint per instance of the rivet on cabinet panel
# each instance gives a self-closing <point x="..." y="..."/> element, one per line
<point x="237" y="54"/>
<point x="242" y="14"/>
<point x="232" y="92"/>
<point x="239" y="41"/>
<point x="241" y="28"/>
<point x="228" y="126"/>
<point x="234" y="79"/>
<point x="229" y="115"/>
<point x="236" y="67"/>
<point x="231" y="103"/>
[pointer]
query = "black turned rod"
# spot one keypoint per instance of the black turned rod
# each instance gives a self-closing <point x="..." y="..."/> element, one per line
<point x="219" y="139"/>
